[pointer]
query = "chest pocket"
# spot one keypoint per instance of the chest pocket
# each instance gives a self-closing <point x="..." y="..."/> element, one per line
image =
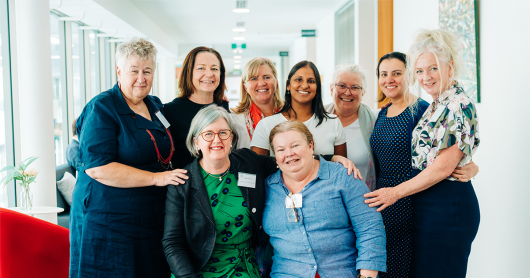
<point x="274" y="218"/>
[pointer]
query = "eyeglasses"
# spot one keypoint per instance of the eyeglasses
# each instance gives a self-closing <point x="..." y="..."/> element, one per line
<point x="292" y="214"/>
<point x="208" y="136"/>
<point x="341" y="88"/>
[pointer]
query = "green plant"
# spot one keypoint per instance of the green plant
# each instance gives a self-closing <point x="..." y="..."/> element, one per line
<point x="21" y="173"/>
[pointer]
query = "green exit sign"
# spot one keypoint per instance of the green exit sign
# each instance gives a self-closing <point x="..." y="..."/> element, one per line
<point x="234" y="45"/>
<point x="309" y="33"/>
<point x="284" y="53"/>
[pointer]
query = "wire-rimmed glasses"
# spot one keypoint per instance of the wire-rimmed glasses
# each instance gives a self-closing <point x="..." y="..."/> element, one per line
<point x="292" y="214"/>
<point x="341" y="88"/>
<point x="223" y="134"/>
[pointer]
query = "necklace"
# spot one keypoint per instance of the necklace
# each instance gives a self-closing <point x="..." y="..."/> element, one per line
<point x="218" y="177"/>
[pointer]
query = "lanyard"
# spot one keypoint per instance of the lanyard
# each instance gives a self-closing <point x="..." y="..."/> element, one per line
<point x="162" y="161"/>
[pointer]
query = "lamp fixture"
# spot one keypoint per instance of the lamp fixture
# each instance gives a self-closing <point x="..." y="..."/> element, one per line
<point x="237" y="57"/>
<point x="240" y="11"/>
<point x="239" y="38"/>
<point x="239" y="30"/>
<point x="237" y="61"/>
<point x="237" y="66"/>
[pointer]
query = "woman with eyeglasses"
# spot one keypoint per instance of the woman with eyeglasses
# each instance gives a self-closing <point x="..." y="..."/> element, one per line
<point x="303" y="102"/>
<point x="315" y="213"/>
<point x="213" y="222"/>
<point x="347" y="90"/>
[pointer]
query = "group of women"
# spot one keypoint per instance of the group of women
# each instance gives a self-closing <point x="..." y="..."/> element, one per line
<point x="175" y="190"/>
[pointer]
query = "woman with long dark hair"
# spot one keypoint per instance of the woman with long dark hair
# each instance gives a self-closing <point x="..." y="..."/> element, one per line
<point x="303" y="102"/>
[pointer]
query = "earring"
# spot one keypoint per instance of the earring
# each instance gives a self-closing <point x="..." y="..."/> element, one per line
<point x="288" y="92"/>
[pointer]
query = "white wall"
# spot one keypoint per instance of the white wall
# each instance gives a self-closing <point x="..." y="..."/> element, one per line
<point x="502" y="246"/>
<point x="325" y="53"/>
<point x="166" y="79"/>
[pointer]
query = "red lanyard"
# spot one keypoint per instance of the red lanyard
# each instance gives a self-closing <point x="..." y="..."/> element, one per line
<point x="163" y="161"/>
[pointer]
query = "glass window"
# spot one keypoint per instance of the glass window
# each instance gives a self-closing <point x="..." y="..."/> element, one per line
<point x="94" y="64"/>
<point x="77" y="69"/>
<point x="345" y="40"/>
<point x="7" y="194"/>
<point x="57" y="41"/>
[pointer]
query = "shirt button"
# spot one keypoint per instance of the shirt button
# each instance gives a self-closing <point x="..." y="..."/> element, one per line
<point x="82" y="164"/>
<point x="303" y="233"/>
<point x="165" y="137"/>
<point x="253" y="210"/>
<point x="315" y="267"/>
<point x="260" y="227"/>
<point x="309" y="249"/>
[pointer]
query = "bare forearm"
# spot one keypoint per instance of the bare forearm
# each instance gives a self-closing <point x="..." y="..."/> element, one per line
<point x="340" y="150"/>
<point x="260" y="151"/>
<point x="441" y="168"/>
<point x="120" y="175"/>
<point x="369" y="273"/>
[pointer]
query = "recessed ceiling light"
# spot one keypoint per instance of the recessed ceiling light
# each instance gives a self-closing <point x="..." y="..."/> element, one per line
<point x="237" y="67"/>
<point x="237" y="57"/>
<point x="237" y="61"/>
<point x="235" y="50"/>
<point x="240" y="51"/>
<point x="239" y="29"/>
<point x="239" y="38"/>
<point x="243" y="10"/>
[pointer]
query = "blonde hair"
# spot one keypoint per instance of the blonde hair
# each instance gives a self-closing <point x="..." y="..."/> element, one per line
<point x="136" y="46"/>
<point x="294" y="126"/>
<point x="251" y="69"/>
<point x="443" y="45"/>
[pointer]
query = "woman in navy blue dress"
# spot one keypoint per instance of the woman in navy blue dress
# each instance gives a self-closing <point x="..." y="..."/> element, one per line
<point x="391" y="143"/>
<point x="117" y="216"/>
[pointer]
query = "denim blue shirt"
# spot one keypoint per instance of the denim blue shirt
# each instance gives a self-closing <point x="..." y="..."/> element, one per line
<point x="337" y="235"/>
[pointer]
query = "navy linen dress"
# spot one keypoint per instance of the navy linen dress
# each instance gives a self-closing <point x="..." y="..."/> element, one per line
<point x="391" y="145"/>
<point x="117" y="232"/>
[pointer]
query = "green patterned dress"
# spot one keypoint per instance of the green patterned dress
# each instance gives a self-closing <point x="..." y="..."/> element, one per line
<point x="233" y="255"/>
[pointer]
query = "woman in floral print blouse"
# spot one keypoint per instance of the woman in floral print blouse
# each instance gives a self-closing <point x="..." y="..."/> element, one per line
<point x="446" y="213"/>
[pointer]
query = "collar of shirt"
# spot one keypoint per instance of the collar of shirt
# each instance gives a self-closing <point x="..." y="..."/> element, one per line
<point x="122" y="106"/>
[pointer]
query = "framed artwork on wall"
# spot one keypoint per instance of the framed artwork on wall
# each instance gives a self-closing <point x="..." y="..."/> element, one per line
<point x="461" y="17"/>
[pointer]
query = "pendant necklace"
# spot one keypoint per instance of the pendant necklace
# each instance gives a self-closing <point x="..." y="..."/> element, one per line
<point x="221" y="176"/>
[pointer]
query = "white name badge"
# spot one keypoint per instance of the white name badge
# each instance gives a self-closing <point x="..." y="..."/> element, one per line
<point x="162" y="119"/>
<point x="247" y="180"/>
<point x="296" y="198"/>
<point x="437" y="113"/>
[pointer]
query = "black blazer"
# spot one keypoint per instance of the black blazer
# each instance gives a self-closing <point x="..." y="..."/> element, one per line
<point x="189" y="230"/>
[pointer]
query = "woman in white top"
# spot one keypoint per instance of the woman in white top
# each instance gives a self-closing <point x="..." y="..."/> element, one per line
<point x="303" y="102"/>
<point x="347" y="90"/>
<point x="260" y="98"/>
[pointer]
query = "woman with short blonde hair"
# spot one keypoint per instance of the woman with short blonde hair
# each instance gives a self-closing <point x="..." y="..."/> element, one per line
<point x="260" y="97"/>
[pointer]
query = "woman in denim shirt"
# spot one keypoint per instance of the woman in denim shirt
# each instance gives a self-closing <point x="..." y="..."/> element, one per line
<point x="315" y="213"/>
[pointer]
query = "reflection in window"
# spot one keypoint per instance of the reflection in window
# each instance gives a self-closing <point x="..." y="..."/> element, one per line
<point x="57" y="89"/>
<point x="77" y="54"/>
<point x="94" y="64"/>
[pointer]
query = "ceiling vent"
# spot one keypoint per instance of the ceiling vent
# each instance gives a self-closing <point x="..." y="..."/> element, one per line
<point x="241" y="4"/>
<point x="240" y="24"/>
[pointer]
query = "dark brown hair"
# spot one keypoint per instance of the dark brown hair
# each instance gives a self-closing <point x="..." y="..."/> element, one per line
<point x="186" y="75"/>
<point x="392" y="55"/>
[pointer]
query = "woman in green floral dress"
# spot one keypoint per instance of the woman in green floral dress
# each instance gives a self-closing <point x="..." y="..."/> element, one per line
<point x="446" y="212"/>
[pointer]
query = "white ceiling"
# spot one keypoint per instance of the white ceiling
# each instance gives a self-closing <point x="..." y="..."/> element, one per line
<point x="177" y="26"/>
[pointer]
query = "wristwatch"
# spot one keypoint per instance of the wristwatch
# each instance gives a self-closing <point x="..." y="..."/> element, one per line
<point x="362" y="276"/>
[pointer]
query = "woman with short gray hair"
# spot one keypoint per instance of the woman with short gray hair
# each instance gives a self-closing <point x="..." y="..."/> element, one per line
<point x="347" y="90"/>
<point x="117" y="213"/>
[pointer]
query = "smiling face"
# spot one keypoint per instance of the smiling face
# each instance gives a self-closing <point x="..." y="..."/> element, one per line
<point x="391" y="76"/>
<point x="292" y="151"/>
<point x="136" y="77"/>
<point x="303" y="86"/>
<point x="433" y="78"/>
<point x="206" y="73"/>
<point x="217" y="149"/>
<point x="261" y="88"/>
<point x="347" y="101"/>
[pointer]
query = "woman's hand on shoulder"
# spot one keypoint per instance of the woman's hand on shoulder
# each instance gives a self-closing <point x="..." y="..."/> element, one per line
<point x="348" y="164"/>
<point x="383" y="198"/>
<point x="464" y="174"/>
<point x="174" y="177"/>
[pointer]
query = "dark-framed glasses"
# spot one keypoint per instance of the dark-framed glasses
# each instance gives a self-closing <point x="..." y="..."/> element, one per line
<point x="223" y="134"/>
<point x="341" y="88"/>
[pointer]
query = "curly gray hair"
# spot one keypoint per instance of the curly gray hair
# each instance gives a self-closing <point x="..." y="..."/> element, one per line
<point x="144" y="49"/>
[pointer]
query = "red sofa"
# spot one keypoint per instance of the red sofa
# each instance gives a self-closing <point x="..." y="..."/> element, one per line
<point x="31" y="247"/>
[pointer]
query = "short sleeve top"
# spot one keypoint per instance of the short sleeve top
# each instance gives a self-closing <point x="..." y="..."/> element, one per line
<point x="454" y="121"/>
<point x="327" y="135"/>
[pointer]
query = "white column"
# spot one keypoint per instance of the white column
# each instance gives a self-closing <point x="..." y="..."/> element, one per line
<point x="36" y="97"/>
<point x="366" y="46"/>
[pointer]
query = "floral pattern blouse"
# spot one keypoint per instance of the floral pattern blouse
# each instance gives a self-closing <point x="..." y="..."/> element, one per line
<point x="454" y="121"/>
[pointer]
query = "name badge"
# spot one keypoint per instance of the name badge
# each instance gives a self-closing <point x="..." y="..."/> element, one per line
<point x="247" y="180"/>
<point x="296" y="198"/>
<point x="162" y="119"/>
<point x="437" y="113"/>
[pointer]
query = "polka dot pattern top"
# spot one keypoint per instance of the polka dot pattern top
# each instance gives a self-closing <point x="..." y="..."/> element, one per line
<point x="391" y="147"/>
